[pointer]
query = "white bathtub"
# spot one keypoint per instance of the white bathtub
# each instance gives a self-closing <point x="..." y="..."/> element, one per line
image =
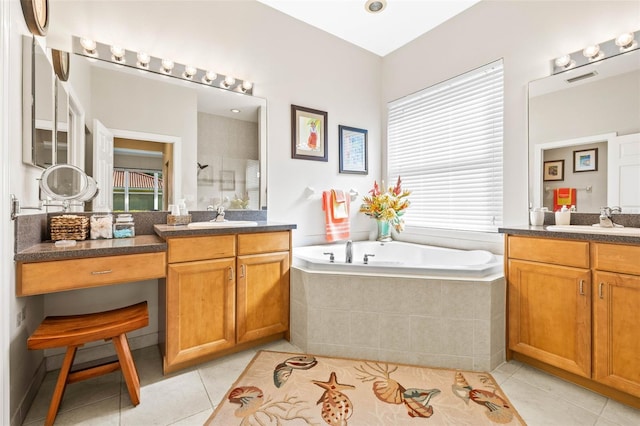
<point x="398" y="258"/>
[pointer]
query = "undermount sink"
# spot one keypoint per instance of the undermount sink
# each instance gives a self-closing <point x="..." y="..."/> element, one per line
<point x="225" y="224"/>
<point x="590" y="229"/>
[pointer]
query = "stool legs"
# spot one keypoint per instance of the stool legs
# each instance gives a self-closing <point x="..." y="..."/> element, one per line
<point x="128" y="367"/>
<point x="61" y="385"/>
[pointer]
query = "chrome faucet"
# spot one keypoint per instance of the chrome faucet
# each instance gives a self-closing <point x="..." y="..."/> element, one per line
<point x="219" y="214"/>
<point x="606" y="220"/>
<point x="349" y="252"/>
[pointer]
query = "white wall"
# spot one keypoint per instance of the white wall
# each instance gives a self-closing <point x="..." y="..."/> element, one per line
<point x="527" y="35"/>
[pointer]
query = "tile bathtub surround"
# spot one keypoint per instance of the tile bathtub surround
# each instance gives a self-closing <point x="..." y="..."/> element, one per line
<point x="189" y="397"/>
<point x="439" y="323"/>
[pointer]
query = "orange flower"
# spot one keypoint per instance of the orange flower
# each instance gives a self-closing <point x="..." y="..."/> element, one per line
<point x="388" y="205"/>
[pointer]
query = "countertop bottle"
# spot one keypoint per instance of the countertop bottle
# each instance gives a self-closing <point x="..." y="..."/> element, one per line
<point x="124" y="227"/>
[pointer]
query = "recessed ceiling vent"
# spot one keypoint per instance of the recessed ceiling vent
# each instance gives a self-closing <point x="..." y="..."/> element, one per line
<point x="582" y="77"/>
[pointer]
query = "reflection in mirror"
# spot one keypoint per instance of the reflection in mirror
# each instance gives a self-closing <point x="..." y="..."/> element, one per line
<point x="38" y="104"/>
<point x="188" y="119"/>
<point x="62" y="123"/>
<point x="571" y="113"/>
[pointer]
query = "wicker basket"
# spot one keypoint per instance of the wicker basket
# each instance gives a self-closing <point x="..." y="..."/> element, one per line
<point x="178" y="220"/>
<point x="69" y="227"/>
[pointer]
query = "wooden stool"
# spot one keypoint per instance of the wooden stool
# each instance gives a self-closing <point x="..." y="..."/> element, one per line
<point x="74" y="331"/>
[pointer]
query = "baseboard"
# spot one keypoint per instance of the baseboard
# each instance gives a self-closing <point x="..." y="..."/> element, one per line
<point x="23" y="407"/>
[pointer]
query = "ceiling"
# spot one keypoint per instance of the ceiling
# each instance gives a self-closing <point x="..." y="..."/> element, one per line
<point x="382" y="33"/>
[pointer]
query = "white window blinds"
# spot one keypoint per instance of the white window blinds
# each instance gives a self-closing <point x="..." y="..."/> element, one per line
<point x="446" y="144"/>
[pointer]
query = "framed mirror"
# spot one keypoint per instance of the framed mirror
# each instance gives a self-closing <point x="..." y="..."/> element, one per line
<point x="185" y="140"/>
<point x="571" y="114"/>
<point x="64" y="182"/>
<point x="38" y="105"/>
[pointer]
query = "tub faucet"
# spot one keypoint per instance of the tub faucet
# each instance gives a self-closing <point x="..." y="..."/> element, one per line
<point x="349" y="252"/>
<point x="606" y="221"/>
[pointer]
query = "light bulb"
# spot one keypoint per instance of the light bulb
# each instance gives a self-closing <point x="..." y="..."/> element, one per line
<point x="189" y="71"/>
<point x="563" y="61"/>
<point x="143" y="60"/>
<point x="626" y="42"/>
<point x="246" y="85"/>
<point x="118" y="53"/>
<point x="167" y="66"/>
<point x="209" y="76"/>
<point x="229" y="81"/>
<point x="88" y="45"/>
<point x="592" y="52"/>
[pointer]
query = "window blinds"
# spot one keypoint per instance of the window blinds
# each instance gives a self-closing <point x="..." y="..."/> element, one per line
<point x="446" y="144"/>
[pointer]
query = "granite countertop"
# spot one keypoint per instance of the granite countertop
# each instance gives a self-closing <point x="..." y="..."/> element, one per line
<point x="166" y="231"/>
<point x="542" y="231"/>
<point x="92" y="248"/>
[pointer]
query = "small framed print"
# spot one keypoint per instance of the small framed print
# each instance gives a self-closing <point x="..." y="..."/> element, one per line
<point x="308" y="134"/>
<point x="553" y="170"/>
<point x="585" y="160"/>
<point x="353" y="150"/>
<point x="228" y="180"/>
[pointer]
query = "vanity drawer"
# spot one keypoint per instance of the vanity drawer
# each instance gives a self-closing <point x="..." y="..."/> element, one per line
<point x="267" y="242"/>
<point x="72" y="274"/>
<point x="187" y="249"/>
<point x="549" y="250"/>
<point x="616" y="258"/>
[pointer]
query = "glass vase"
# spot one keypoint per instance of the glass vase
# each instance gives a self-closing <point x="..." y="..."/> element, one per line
<point x="384" y="230"/>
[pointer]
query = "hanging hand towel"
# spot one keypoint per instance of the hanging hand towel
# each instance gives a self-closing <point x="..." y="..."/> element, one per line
<point x="335" y="228"/>
<point x="339" y="201"/>
<point x="564" y="197"/>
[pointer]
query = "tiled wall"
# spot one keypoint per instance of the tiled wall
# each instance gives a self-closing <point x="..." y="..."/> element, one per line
<point x="440" y="323"/>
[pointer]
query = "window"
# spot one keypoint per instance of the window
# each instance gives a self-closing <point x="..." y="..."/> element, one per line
<point x="446" y="144"/>
<point x="137" y="190"/>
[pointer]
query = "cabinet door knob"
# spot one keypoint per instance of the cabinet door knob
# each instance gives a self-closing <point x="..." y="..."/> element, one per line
<point x="242" y="270"/>
<point x="108" y="271"/>
<point x="231" y="273"/>
<point x="582" y="287"/>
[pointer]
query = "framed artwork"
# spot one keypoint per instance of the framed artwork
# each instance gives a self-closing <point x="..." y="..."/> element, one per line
<point x="308" y="134"/>
<point x="553" y="170"/>
<point x="353" y="150"/>
<point x="585" y="160"/>
<point x="228" y="179"/>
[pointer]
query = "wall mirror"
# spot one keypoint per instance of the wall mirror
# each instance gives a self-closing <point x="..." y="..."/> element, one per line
<point x="584" y="134"/>
<point x="64" y="182"/>
<point x="159" y="139"/>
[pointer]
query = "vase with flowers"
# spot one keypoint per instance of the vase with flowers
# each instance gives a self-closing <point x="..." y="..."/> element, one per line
<point x="387" y="208"/>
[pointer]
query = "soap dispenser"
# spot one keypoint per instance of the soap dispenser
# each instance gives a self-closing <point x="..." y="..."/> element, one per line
<point x="563" y="217"/>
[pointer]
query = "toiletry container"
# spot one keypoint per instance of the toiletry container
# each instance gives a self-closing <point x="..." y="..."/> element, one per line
<point x="563" y="217"/>
<point x="124" y="227"/>
<point x="536" y="216"/>
<point x="101" y="226"/>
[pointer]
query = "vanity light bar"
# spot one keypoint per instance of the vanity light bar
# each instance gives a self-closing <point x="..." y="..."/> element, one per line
<point x="143" y="61"/>
<point x="625" y="42"/>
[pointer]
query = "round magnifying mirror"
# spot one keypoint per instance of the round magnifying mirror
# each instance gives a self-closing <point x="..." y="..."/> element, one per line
<point x="66" y="182"/>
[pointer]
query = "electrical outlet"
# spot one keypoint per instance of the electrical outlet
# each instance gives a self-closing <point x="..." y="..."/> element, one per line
<point x="24" y="312"/>
<point x="19" y="319"/>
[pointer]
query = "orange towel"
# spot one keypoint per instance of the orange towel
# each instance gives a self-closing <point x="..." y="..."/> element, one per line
<point x="563" y="197"/>
<point x="335" y="228"/>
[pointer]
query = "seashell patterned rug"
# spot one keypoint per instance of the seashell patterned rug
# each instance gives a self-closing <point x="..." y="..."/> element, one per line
<point x="280" y="388"/>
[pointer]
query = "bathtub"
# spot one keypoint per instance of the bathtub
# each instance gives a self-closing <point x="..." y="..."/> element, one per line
<point x="410" y="304"/>
<point x="399" y="258"/>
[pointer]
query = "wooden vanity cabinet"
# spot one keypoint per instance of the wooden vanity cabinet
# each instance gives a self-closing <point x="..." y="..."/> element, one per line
<point x="223" y="294"/>
<point x="550" y="302"/>
<point x="573" y="311"/>
<point x="616" y="306"/>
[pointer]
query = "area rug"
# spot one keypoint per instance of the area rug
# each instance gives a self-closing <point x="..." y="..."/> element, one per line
<point x="280" y="388"/>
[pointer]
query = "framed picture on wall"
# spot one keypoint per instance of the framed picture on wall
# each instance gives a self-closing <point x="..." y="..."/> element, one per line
<point x="553" y="170"/>
<point x="585" y="160"/>
<point x="228" y="180"/>
<point x="308" y="134"/>
<point x="353" y="150"/>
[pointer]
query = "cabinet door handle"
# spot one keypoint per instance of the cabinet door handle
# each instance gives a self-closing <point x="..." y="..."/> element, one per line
<point x="108" y="271"/>
<point x="231" y="273"/>
<point x="601" y="290"/>
<point x="582" y="287"/>
<point x="242" y="270"/>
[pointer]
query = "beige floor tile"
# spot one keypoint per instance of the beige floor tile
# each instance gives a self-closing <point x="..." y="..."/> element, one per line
<point x="561" y="389"/>
<point x="621" y="414"/>
<point x="540" y="408"/>
<point x="101" y="413"/>
<point x="195" y="420"/>
<point x="166" y="401"/>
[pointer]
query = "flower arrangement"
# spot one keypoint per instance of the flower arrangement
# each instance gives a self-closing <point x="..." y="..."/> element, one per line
<point x="387" y="206"/>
